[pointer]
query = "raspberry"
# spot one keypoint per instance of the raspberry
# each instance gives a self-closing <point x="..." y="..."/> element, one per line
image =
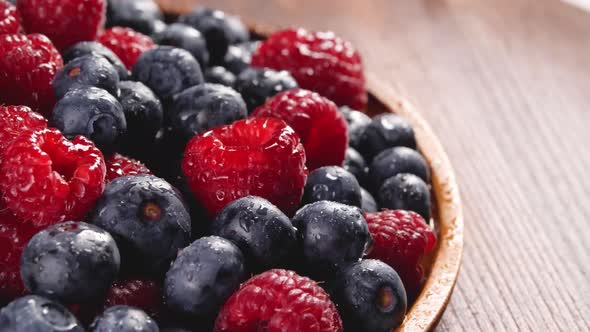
<point x="321" y="127"/>
<point x="400" y="239"/>
<point x="28" y="64"/>
<point x="9" y="18"/>
<point x="143" y="294"/>
<point x="279" y="300"/>
<point x="319" y="61"/>
<point x="46" y="178"/>
<point x="126" y="43"/>
<point x="260" y="157"/>
<point x="16" y="119"/>
<point x="118" y="166"/>
<point x="65" y="22"/>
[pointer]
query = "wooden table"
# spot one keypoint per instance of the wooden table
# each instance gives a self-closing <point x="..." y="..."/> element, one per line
<point x="506" y="86"/>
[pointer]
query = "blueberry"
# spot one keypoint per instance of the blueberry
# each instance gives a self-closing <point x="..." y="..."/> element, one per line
<point x="89" y="70"/>
<point x="263" y="233"/>
<point x="203" y="276"/>
<point x="123" y="318"/>
<point x="331" y="235"/>
<point x="239" y="57"/>
<point x="34" y="313"/>
<point x="143" y="112"/>
<point x="393" y="161"/>
<point x="357" y="123"/>
<point x="385" y="131"/>
<point x="220" y="30"/>
<point x="258" y="84"/>
<point x="220" y="75"/>
<point x="205" y="106"/>
<point x="147" y="218"/>
<point x="185" y="37"/>
<point x="141" y="15"/>
<point x="92" y="47"/>
<point x="332" y="183"/>
<point x="72" y="262"/>
<point x="91" y="112"/>
<point x="368" y="203"/>
<point x="167" y="71"/>
<point x="406" y="192"/>
<point x="355" y="164"/>
<point x="370" y="297"/>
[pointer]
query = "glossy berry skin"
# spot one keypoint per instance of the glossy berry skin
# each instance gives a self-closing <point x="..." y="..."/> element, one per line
<point x="357" y="123"/>
<point x="143" y="111"/>
<point x="28" y="64"/>
<point x="220" y="30"/>
<point x="258" y="84"/>
<point x="205" y="106"/>
<point x="263" y="233"/>
<point x="203" y="277"/>
<point x="126" y="43"/>
<point x="167" y="71"/>
<point x="72" y="262"/>
<point x="393" y="161"/>
<point x="93" y="113"/>
<point x="331" y="235"/>
<point x="185" y="37"/>
<point x="239" y="56"/>
<point x="368" y="203"/>
<point x="385" y="131"/>
<point x="370" y="296"/>
<point x="405" y="192"/>
<point x="119" y="166"/>
<point x="16" y="119"/>
<point x="84" y="72"/>
<point x="9" y="18"/>
<point x="35" y="313"/>
<point x="220" y="75"/>
<point x="64" y="178"/>
<point x="140" y="15"/>
<point x="260" y="157"/>
<point x="140" y="293"/>
<point x="400" y="239"/>
<point x="124" y="318"/>
<point x="316" y="120"/>
<point x="91" y="47"/>
<point x="319" y="61"/>
<point x="147" y="217"/>
<point x="279" y="301"/>
<point x="332" y="183"/>
<point x="355" y="164"/>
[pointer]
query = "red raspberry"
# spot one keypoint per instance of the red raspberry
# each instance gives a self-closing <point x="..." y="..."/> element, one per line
<point x="9" y="18"/>
<point x="143" y="294"/>
<point x="16" y="119"/>
<point x="400" y="239"/>
<point x="260" y="156"/>
<point x="126" y="43"/>
<point x="28" y="64"/>
<point x="319" y="61"/>
<point x="279" y="301"/>
<point x="321" y="127"/>
<point x="46" y="178"/>
<point x="118" y="166"/>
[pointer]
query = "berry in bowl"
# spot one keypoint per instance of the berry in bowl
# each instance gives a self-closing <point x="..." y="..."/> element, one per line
<point x="184" y="172"/>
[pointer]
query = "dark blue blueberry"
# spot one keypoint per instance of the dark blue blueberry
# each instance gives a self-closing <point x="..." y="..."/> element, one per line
<point x="258" y="84"/>
<point x="370" y="297"/>
<point x="89" y="70"/>
<point x="263" y="233"/>
<point x="185" y="37"/>
<point x="332" y="183"/>
<point x="122" y="318"/>
<point x="220" y="75"/>
<point x="203" y="277"/>
<point x="205" y="106"/>
<point x="72" y="262"/>
<point x="393" y="161"/>
<point x="91" y="112"/>
<point x="368" y="203"/>
<point x="167" y="71"/>
<point x="406" y="192"/>
<point x="147" y="218"/>
<point x="357" y="123"/>
<point x="220" y="30"/>
<point x="355" y="164"/>
<point x="92" y="47"/>
<point x="239" y="57"/>
<point x="385" y="131"/>
<point x="34" y="313"/>
<point x="143" y="112"/>
<point x="141" y="15"/>
<point x="331" y="235"/>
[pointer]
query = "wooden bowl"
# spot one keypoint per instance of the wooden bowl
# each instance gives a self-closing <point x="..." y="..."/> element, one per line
<point x="442" y="266"/>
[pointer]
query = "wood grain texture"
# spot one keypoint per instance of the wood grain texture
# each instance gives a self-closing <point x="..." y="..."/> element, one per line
<point x="506" y="86"/>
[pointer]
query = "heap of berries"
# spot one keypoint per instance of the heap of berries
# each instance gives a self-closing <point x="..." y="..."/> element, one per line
<point x="181" y="175"/>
